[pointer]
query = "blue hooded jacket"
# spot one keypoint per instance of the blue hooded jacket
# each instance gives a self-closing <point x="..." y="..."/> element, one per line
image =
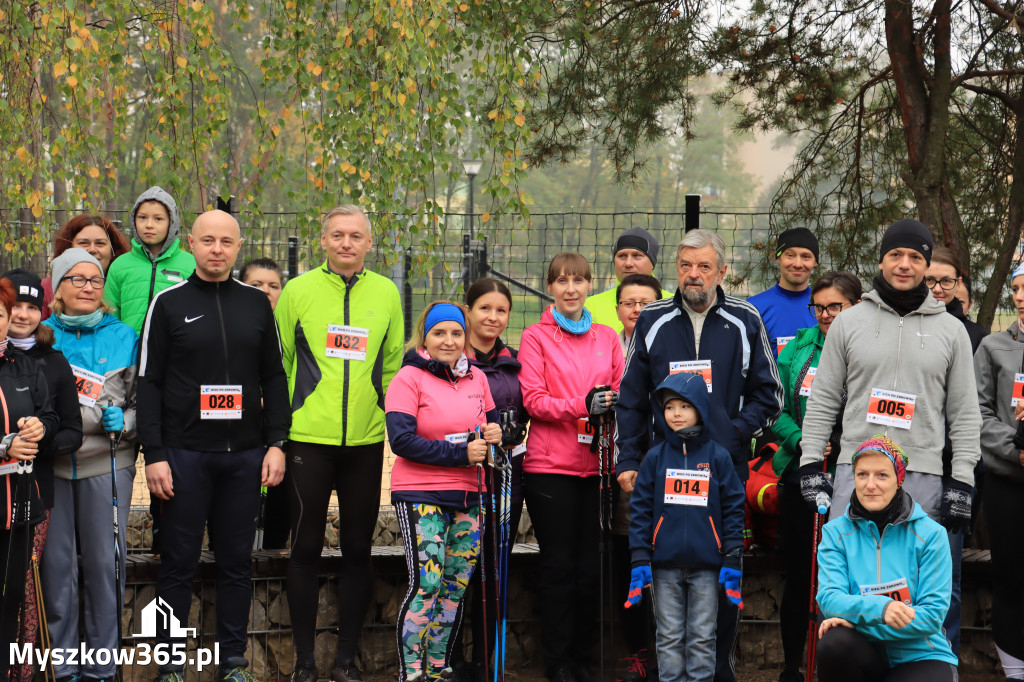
<point x="664" y="531"/>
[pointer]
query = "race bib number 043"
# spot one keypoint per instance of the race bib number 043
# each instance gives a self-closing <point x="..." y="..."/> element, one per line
<point x="88" y="384"/>
<point x="891" y="408"/>
<point x="222" y="401"/>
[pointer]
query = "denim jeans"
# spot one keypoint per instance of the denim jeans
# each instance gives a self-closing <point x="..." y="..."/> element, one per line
<point x="686" y="610"/>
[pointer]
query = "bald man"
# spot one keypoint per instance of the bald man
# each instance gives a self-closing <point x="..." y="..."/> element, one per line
<point x="210" y="351"/>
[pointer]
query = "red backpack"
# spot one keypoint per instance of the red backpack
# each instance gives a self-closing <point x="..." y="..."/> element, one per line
<point x="762" y="508"/>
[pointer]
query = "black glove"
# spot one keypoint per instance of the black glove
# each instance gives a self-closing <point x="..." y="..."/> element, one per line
<point x="595" y="401"/>
<point x="512" y="433"/>
<point x="955" y="511"/>
<point x="1018" y="438"/>
<point x="814" y="482"/>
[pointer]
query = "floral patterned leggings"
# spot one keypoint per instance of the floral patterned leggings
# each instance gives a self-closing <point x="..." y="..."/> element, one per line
<point x="441" y="548"/>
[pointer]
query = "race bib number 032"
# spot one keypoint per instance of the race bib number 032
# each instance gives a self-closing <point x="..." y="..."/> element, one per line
<point x="348" y="343"/>
<point x="222" y="401"/>
<point x="891" y="408"/>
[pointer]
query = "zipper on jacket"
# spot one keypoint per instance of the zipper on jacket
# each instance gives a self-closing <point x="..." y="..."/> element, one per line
<point x="344" y="385"/>
<point x="715" y="531"/>
<point x="656" y="529"/>
<point x="152" y="285"/>
<point x="224" y="341"/>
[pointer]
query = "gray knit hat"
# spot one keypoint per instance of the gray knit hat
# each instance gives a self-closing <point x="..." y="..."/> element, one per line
<point x="60" y="265"/>
<point x="640" y="239"/>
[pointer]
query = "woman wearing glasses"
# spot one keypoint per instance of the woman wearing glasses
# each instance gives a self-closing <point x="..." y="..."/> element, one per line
<point x="102" y="352"/>
<point x="798" y="363"/>
<point x="633" y="294"/>
<point x="944" y="277"/>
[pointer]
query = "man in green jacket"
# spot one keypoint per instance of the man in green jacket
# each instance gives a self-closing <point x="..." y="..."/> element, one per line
<point x="342" y="332"/>
<point x="155" y="262"/>
<point x="636" y="251"/>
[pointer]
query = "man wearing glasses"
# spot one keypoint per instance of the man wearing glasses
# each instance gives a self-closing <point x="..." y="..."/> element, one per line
<point x="784" y="307"/>
<point x="701" y="331"/>
<point x="906" y="369"/>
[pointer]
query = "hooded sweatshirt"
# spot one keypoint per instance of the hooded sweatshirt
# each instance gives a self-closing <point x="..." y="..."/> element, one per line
<point x="910" y="556"/>
<point x="679" y="518"/>
<point x="927" y="355"/>
<point x="998" y="361"/>
<point x="134" y="278"/>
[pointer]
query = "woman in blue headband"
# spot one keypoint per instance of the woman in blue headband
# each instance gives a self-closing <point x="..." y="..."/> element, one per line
<point x="441" y="421"/>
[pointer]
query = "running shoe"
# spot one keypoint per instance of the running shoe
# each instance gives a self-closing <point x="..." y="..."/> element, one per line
<point x="636" y="667"/>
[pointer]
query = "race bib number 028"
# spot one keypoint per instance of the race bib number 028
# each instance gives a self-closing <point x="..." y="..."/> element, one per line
<point x="891" y="408"/>
<point x="687" y="486"/>
<point x="220" y="401"/>
<point x="348" y="343"/>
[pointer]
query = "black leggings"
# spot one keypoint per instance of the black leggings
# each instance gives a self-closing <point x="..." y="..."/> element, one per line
<point x="796" y="523"/>
<point x="313" y="471"/>
<point x="1004" y="507"/>
<point x="845" y="655"/>
<point x="564" y="511"/>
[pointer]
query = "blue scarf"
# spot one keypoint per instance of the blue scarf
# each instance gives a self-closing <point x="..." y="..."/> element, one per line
<point x="572" y="326"/>
<point x="76" y="321"/>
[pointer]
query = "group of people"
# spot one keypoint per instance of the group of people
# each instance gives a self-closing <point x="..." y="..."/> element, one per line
<point x="626" y="420"/>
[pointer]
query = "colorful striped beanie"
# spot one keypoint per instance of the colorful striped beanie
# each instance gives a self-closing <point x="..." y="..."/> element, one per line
<point x="887" y="447"/>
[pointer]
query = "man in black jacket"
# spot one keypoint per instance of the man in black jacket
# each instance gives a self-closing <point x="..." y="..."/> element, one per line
<point x="210" y="353"/>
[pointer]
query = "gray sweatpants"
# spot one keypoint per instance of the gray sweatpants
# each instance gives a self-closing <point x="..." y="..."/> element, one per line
<point x="85" y="504"/>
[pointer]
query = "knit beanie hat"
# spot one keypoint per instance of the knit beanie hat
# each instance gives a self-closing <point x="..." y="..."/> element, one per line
<point x="69" y="259"/>
<point x="800" y="237"/>
<point x="887" y="447"/>
<point x="27" y="286"/>
<point x="908" y="234"/>
<point x="640" y="239"/>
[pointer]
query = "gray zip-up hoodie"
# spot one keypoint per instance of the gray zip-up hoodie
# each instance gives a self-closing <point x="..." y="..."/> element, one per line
<point x="998" y="361"/>
<point x="927" y="354"/>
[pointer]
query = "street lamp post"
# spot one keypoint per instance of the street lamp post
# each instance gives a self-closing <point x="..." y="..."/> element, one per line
<point x="472" y="167"/>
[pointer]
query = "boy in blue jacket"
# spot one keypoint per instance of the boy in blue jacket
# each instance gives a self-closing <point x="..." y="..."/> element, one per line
<point x="687" y="523"/>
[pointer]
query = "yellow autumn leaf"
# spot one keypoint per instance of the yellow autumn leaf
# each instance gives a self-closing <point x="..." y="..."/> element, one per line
<point x="94" y="172"/>
<point x="276" y="130"/>
<point x="72" y="81"/>
<point x="485" y="217"/>
<point x="37" y="211"/>
<point x="520" y="120"/>
<point x="401" y="99"/>
<point x="74" y="43"/>
<point x="316" y="70"/>
<point x="410" y="86"/>
<point x="182" y="62"/>
<point x="374" y="86"/>
<point x="351" y="169"/>
<point x="9" y="246"/>
<point x="59" y="69"/>
<point x="365" y="175"/>
<point x="492" y="114"/>
<point x="370" y="33"/>
<point x="22" y="153"/>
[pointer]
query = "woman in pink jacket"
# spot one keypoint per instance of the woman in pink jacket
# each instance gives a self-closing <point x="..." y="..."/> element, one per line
<point x="570" y="375"/>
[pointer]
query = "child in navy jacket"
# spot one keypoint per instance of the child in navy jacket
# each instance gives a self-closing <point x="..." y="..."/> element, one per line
<point x="687" y="524"/>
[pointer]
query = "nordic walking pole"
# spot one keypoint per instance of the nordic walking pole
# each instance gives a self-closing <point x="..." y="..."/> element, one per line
<point x="812" y="613"/>
<point x="261" y="520"/>
<point x="44" y="625"/>
<point x="481" y="517"/>
<point x="113" y="436"/>
<point x="604" y="500"/>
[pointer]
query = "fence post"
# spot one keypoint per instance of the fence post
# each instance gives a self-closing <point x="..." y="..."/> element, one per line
<point x="692" y="212"/>
<point x="293" y="257"/>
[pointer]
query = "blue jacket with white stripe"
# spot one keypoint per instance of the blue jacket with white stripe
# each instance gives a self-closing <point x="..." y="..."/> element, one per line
<point x="746" y="394"/>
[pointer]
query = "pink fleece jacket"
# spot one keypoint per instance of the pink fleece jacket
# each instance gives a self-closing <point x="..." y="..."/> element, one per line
<point x="559" y="369"/>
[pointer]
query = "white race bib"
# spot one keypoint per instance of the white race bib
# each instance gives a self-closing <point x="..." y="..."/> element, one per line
<point x="702" y="368"/>
<point x="687" y="486"/>
<point x="897" y="590"/>
<point x="891" y="408"/>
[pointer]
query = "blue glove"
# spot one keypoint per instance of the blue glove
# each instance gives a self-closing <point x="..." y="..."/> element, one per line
<point x="730" y="577"/>
<point x="113" y="419"/>
<point x="639" y="579"/>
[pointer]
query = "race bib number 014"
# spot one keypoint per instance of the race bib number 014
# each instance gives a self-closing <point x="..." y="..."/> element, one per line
<point x="687" y="486"/>
<point x="348" y="343"/>
<point x="891" y="408"/>
<point x="220" y="401"/>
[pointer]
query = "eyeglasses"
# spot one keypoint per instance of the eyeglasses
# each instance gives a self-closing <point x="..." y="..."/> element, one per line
<point x="945" y="283"/>
<point x="78" y="281"/>
<point x="630" y="305"/>
<point x="832" y="308"/>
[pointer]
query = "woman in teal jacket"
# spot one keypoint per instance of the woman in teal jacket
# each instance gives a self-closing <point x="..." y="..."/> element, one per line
<point x="884" y="580"/>
<point x="798" y="362"/>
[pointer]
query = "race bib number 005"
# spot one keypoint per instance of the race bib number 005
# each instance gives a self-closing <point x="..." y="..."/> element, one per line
<point x="222" y="401"/>
<point x="891" y="408"/>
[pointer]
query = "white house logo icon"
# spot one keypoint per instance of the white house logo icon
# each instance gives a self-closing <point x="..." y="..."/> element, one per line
<point x="160" y="612"/>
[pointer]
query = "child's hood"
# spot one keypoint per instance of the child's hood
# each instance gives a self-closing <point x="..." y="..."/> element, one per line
<point x="692" y="389"/>
<point x="158" y="194"/>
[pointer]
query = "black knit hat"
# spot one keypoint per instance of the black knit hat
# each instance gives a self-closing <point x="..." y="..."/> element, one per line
<point x="799" y="237"/>
<point x="27" y="286"/>
<point x="640" y="239"/>
<point x="908" y="234"/>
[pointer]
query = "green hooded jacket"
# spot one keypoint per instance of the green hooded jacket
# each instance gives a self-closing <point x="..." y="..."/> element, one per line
<point x="807" y="344"/>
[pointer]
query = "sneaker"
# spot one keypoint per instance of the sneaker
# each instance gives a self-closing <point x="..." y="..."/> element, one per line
<point x="304" y="674"/>
<point x="172" y="676"/>
<point x="417" y="676"/>
<point x="346" y="672"/>
<point x="636" y="667"/>
<point x="238" y="675"/>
